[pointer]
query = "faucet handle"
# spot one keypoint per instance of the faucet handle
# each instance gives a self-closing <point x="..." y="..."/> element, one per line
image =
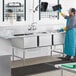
<point x="32" y="26"/>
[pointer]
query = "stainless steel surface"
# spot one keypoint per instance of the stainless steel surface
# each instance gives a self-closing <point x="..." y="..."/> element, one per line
<point x="45" y="40"/>
<point x="24" y="42"/>
<point x="58" y="38"/>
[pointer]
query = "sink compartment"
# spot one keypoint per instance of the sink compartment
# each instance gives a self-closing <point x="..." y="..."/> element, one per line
<point x="24" y="42"/>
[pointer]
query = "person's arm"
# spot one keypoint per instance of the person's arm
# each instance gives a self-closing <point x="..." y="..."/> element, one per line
<point x="65" y="16"/>
<point x="71" y="25"/>
<point x="62" y="14"/>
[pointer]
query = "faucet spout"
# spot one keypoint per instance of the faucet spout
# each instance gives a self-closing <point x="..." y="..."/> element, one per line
<point x="33" y="26"/>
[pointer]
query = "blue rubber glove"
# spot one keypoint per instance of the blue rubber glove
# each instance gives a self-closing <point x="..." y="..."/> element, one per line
<point x="61" y="30"/>
<point x="59" y="10"/>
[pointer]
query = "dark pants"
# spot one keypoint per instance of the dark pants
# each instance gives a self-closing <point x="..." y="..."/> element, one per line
<point x="67" y="57"/>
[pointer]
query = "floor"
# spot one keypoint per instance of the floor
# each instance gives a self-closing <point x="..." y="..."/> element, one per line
<point x="43" y="66"/>
<point x="33" y="61"/>
<point x="55" y="73"/>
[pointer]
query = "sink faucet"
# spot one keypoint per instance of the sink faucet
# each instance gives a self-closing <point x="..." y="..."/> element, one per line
<point x="33" y="26"/>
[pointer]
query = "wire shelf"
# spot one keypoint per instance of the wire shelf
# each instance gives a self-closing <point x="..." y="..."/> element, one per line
<point x="17" y="11"/>
<point x="49" y="13"/>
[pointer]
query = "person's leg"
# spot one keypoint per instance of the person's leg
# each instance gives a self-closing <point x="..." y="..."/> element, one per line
<point x="66" y="58"/>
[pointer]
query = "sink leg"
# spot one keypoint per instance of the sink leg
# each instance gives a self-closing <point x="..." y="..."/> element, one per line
<point x="13" y="53"/>
<point x="51" y="50"/>
<point x="24" y="57"/>
<point x="63" y="50"/>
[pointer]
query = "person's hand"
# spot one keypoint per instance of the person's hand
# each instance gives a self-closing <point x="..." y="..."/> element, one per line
<point x="61" y="30"/>
<point x="59" y="10"/>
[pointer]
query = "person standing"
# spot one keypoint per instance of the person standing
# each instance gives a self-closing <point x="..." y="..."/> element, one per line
<point x="70" y="35"/>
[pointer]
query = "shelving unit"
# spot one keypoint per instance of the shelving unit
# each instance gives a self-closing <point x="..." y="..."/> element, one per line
<point x="49" y="13"/>
<point x="17" y="11"/>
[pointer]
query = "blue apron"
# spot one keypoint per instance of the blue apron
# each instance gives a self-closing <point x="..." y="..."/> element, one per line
<point x="70" y="41"/>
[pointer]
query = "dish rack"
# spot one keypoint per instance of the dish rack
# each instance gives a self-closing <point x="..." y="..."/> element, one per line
<point x="16" y="7"/>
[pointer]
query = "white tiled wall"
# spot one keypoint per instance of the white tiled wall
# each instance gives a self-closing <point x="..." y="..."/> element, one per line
<point x="66" y="4"/>
<point x="1" y="11"/>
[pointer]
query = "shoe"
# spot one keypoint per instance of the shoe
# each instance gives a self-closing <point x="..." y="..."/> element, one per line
<point x="73" y="59"/>
<point x="67" y="57"/>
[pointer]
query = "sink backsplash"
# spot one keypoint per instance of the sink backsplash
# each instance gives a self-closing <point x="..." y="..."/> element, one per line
<point x="6" y="32"/>
<point x="22" y="29"/>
